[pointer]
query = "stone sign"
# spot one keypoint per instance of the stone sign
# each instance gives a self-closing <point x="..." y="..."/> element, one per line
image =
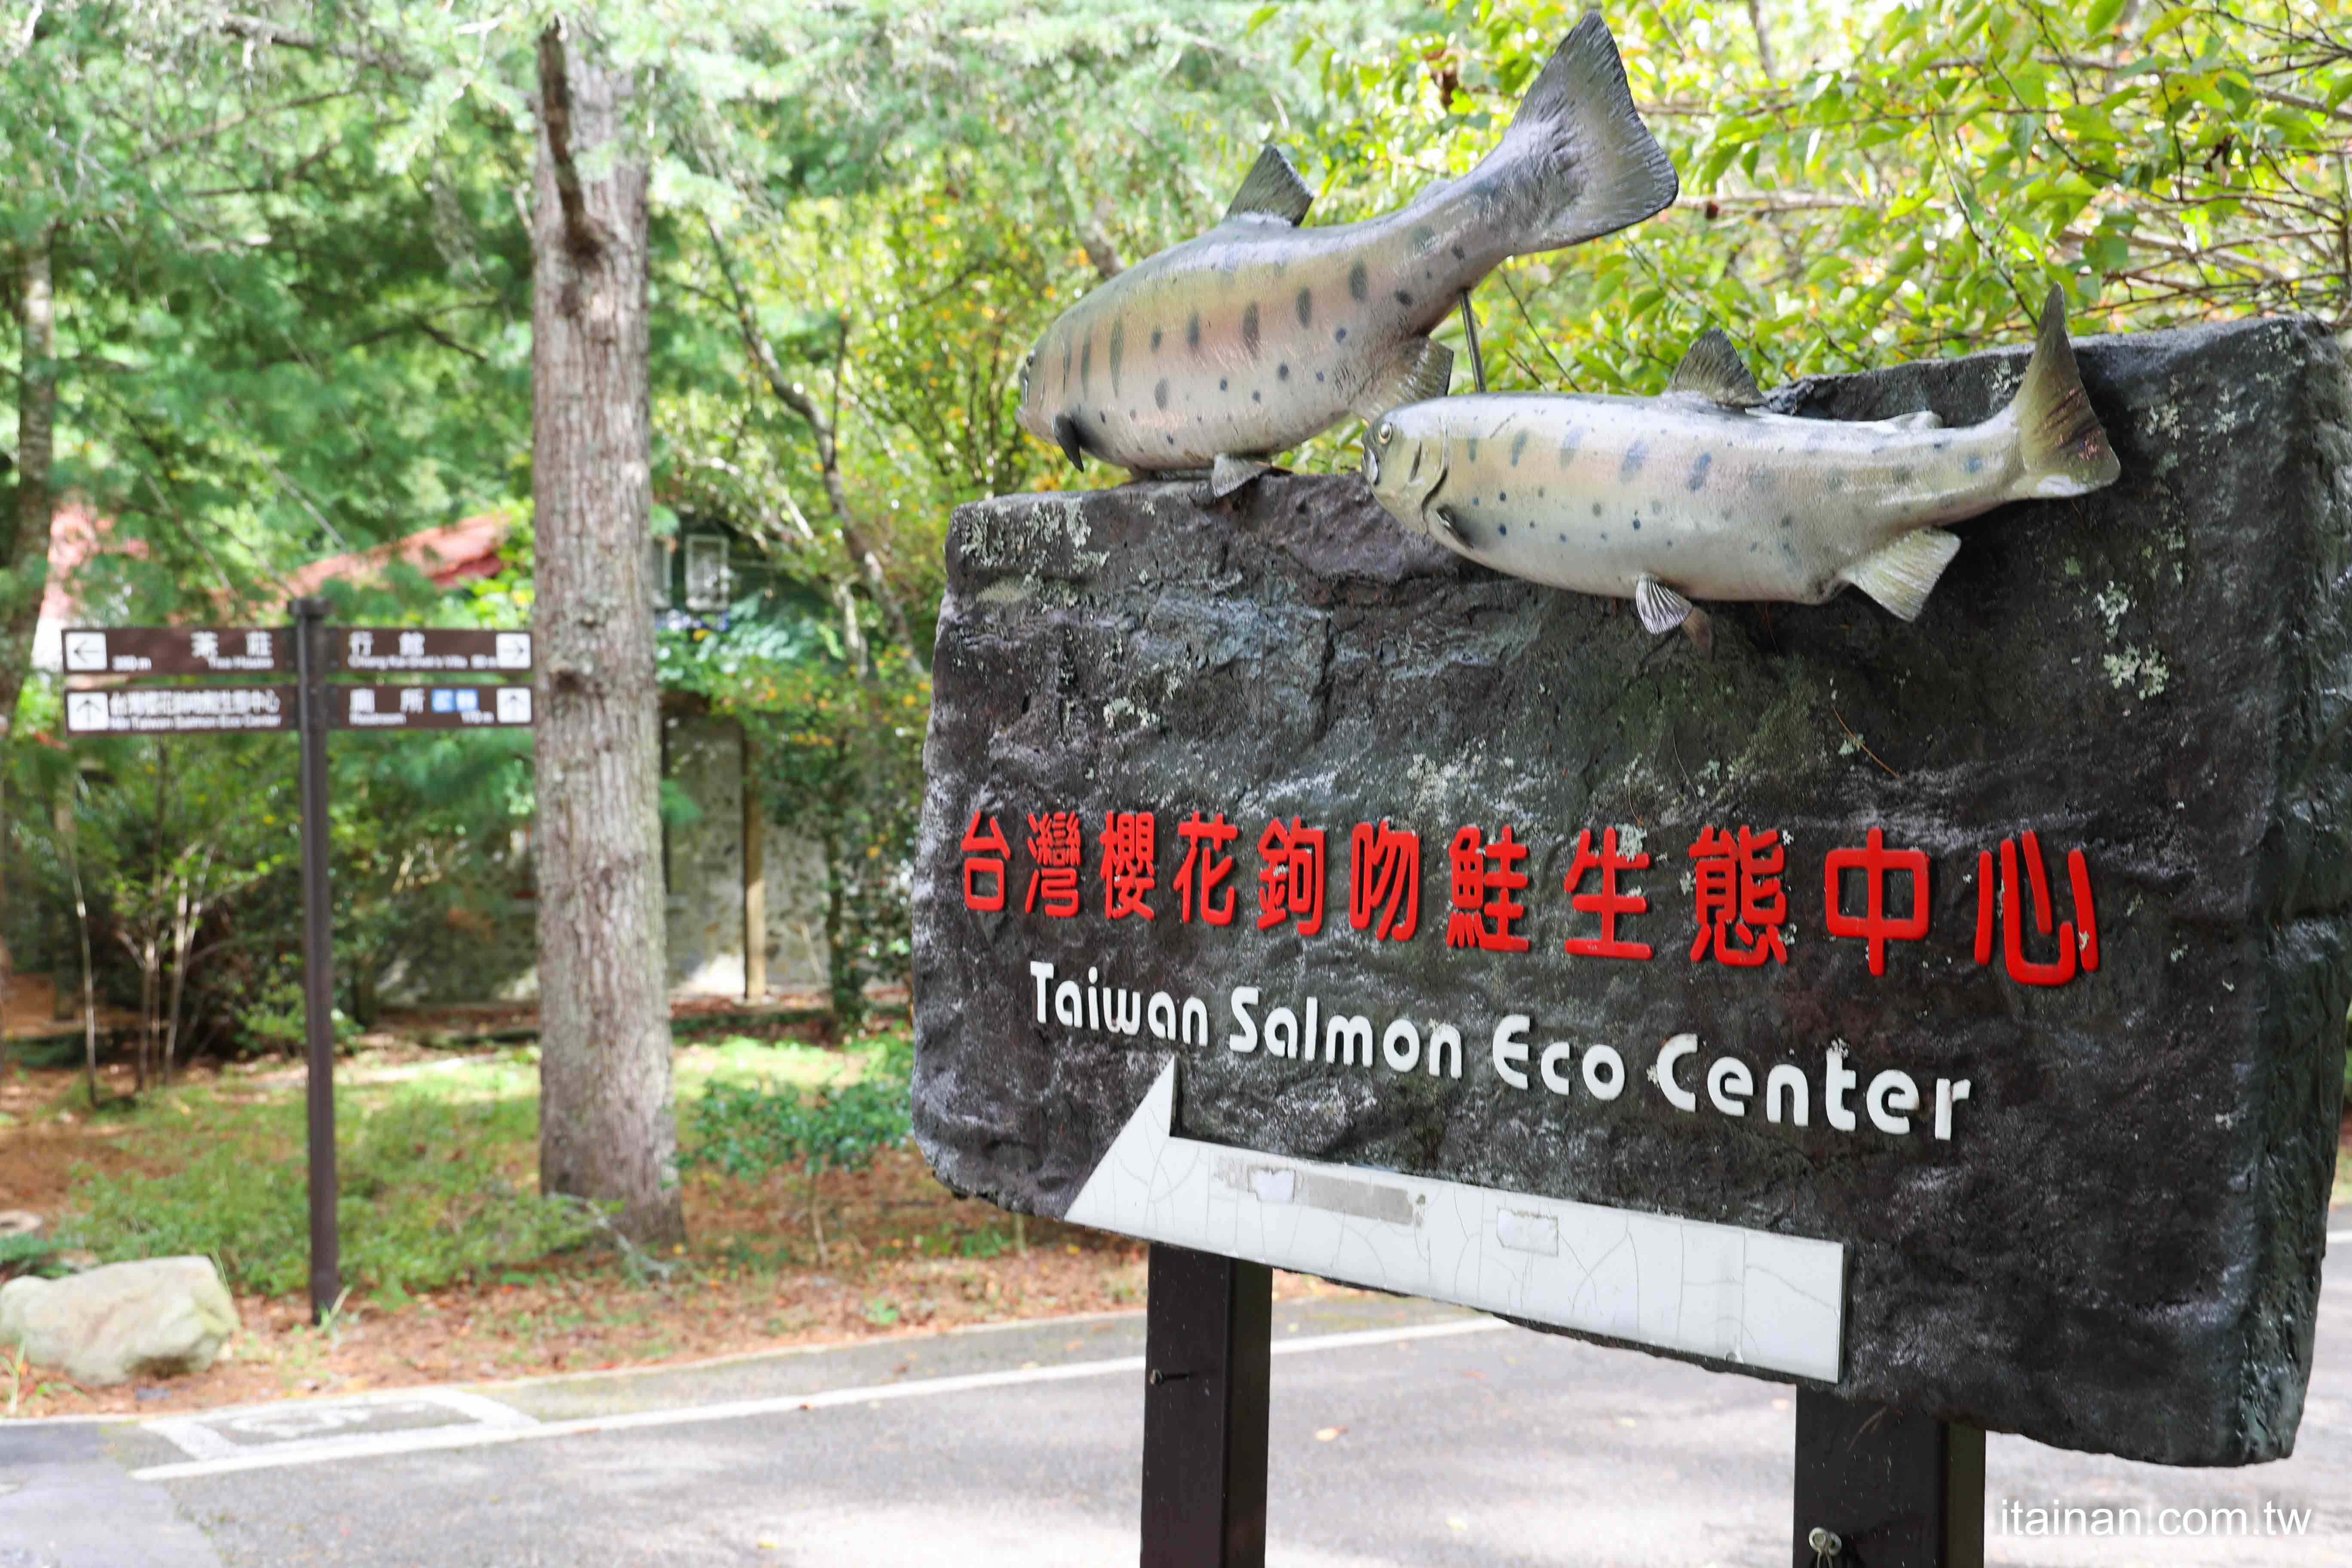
<point x="1949" y="1013"/>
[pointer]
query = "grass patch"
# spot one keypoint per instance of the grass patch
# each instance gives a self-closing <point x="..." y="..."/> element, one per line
<point x="437" y="1173"/>
<point x="430" y="1191"/>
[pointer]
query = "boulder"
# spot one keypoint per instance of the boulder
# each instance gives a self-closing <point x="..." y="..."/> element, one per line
<point x="155" y="1317"/>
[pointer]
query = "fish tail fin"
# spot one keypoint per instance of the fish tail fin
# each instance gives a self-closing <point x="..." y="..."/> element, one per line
<point x="1576" y="161"/>
<point x="2063" y="446"/>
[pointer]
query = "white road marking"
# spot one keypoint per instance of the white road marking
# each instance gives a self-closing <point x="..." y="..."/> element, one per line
<point x="472" y="1435"/>
<point x="302" y="1426"/>
<point x="2335" y="1235"/>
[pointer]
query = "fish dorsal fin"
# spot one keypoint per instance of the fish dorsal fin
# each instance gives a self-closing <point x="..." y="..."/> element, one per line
<point x="1272" y="189"/>
<point x="1903" y="574"/>
<point x="1712" y="370"/>
<point x="1422" y="370"/>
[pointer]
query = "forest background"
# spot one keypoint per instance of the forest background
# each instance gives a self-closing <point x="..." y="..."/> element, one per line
<point x="270" y="268"/>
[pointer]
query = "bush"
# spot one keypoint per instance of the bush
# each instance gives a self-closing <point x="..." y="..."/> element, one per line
<point x="748" y="1130"/>
<point x="424" y="1201"/>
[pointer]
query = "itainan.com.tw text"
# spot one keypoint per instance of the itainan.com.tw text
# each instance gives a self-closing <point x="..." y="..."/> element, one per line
<point x="2056" y="1518"/>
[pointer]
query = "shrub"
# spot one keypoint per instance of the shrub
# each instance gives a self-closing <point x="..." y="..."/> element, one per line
<point x="750" y="1130"/>
<point x="423" y="1200"/>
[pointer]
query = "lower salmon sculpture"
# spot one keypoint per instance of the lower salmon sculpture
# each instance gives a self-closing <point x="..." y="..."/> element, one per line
<point x="1698" y="494"/>
<point x="1221" y="351"/>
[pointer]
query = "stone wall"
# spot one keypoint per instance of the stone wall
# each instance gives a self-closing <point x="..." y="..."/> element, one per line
<point x="705" y="873"/>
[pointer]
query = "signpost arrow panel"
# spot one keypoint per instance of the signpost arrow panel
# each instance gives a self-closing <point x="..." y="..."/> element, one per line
<point x="178" y="650"/>
<point x="427" y="706"/>
<point x="180" y="710"/>
<point x="426" y="650"/>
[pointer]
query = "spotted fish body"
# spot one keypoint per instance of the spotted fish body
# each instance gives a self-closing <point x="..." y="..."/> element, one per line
<point x="1699" y="495"/>
<point x="1259" y="334"/>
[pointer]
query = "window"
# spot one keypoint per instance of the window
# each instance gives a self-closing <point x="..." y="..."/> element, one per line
<point x="706" y="572"/>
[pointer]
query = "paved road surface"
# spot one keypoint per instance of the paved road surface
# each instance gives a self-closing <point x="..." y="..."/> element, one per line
<point x="1403" y="1433"/>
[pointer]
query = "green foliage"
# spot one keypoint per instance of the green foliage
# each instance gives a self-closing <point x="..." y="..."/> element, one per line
<point x="1864" y="184"/>
<point x="424" y="1200"/>
<point x="747" y="1129"/>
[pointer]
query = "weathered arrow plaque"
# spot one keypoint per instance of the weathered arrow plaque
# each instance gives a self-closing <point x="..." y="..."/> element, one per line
<point x="181" y="711"/>
<point x="426" y="650"/>
<point x="2001" y="955"/>
<point x="427" y="706"/>
<point x="178" y="650"/>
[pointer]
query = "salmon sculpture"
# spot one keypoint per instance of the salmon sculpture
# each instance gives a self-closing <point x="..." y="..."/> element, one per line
<point x="1224" y="350"/>
<point x="1698" y="494"/>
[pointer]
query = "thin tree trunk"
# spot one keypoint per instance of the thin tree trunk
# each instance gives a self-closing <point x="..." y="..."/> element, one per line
<point x="755" y="873"/>
<point x="69" y="834"/>
<point x="608" y="1130"/>
<point x="25" y="560"/>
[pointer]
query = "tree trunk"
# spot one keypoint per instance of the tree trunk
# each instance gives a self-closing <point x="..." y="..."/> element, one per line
<point x="755" y="873"/>
<point x="608" y="1130"/>
<point x="24" y="561"/>
<point x="69" y="829"/>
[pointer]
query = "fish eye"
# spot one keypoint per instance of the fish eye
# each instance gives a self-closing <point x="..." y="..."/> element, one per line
<point x="1387" y="434"/>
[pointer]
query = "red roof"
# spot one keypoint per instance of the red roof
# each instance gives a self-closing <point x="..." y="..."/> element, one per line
<point x="445" y="555"/>
<point x="74" y="537"/>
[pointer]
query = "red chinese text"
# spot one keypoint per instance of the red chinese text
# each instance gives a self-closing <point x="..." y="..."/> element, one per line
<point x="1204" y="868"/>
<point x="1608" y="902"/>
<point x="1056" y="840"/>
<point x="1486" y="881"/>
<point x="1874" y="924"/>
<point x="1290" y="882"/>
<point x="1741" y="908"/>
<point x="1384" y="881"/>
<point x="984" y="856"/>
<point x="2078" y="946"/>
<point x="1127" y="868"/>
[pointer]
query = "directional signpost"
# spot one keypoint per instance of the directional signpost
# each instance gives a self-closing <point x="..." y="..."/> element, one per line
<point x="312" y="706"/>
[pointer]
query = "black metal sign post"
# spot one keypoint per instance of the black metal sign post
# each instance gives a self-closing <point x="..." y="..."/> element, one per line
<point x="317" y="955"/>
<point x="1878" y="1487"/>
<point x="1208" y="1338"/>
<point x="312" y="706"/>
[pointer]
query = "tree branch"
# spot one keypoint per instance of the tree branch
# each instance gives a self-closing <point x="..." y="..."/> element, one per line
<point x="582" y="234"/>
<point x="828" y="449"/>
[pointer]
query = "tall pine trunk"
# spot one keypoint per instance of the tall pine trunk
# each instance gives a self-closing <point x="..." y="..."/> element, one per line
<point x="607" y="1127"/>
<point x="25" y="534"/>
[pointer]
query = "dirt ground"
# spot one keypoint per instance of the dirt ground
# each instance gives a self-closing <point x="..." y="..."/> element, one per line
<point x="904" y="1257"/>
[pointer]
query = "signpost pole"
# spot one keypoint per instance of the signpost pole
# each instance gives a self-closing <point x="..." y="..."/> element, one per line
<point x="1886" y="1489"/>
<point x="1208" y="1339"/>
<point x="318" y="952"/>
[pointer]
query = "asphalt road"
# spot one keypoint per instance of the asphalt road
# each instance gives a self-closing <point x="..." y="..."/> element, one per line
<point x="1403" y="1433"/>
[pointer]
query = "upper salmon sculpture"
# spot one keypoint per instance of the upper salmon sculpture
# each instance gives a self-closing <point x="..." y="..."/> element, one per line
<point x="1221" y="351"/>
<point x="1697" y="494"/>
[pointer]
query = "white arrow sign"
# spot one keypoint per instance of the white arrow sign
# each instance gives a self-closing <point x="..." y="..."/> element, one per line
<point x="1761" y="1299"/>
